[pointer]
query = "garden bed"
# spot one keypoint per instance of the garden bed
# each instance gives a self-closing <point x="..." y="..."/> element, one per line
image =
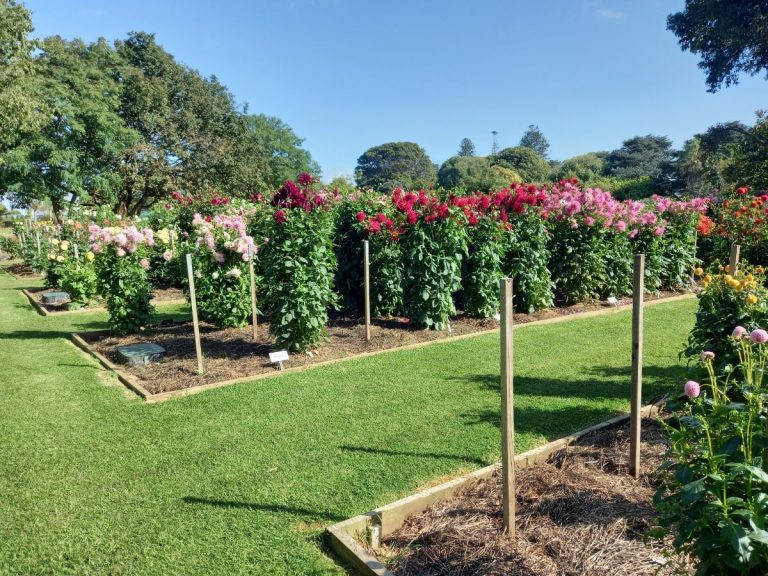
<point x="35" y="296"/>
<point x="578" y="513"/>
<point x="21" y="271"/>
<point x="231" y="355"/>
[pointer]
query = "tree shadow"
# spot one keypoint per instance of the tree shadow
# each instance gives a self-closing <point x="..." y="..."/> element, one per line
<point x="435" y="455"/>
<point x="548" y="423"/>
<point x="256" y="506"/>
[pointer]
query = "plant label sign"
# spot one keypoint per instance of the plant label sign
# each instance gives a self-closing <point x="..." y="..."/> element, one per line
<point x="279" y="357"/>
<point x="612" y="300"/>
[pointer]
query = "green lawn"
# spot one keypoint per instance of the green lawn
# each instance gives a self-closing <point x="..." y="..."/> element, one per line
<point x="243" y="479"/>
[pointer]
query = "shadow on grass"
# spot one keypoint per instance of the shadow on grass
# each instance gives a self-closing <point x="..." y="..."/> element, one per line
<point x="656" y="379"/>
<point x="255" y="506"/>
<point x="435" y="455"/>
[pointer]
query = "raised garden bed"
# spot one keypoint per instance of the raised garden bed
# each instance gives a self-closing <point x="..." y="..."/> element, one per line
<point x="578" y="512"/>
<point x="232" y="356"/>
<point x="35" y="296"/>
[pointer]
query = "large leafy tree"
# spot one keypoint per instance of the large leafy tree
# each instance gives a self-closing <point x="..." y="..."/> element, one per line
<point x="525" y="161"/>
<point x="19" y="108"/>
<point x="474" y="173"/>
<point x="394" y="164"/>
<point x="72" y="156"/>
<point x="585" y="167"/>
<point x="125" y="125"/>
<point x="535" y="140"/>
<point x="730" y="36"/>
<point x="640" y="156"/>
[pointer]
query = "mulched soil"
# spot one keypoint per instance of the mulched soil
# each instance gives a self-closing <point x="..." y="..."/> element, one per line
<point x="578" y="514"/>
<point x="21" y="271"/>
<point x="161" y="296"/>
<point x="232" y="353"/>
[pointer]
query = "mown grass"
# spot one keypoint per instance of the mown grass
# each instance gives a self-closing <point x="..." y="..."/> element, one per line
<point x="243" y="479"/>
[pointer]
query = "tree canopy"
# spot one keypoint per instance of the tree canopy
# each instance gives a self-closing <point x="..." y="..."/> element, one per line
<point x="535" y="140"/>
<point x="124" y="125"/>
<point x="466" y="148"/>
<point x="639" y="156"/>
<point x="730" y="37"/>
<point x="394" y="164"/>
<point x="474" y="173"/>
<point x="525" y="161"/>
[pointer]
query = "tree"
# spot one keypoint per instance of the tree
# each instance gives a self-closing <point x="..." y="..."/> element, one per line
<point x="525" y="161"/>
<point x="474" y="173"/>
<point x="72" y="156"/>
<point x="639" y="156"/>
<point x="394" y="164"/>
<point x="19" y="108"/>
<point x="535" y="140"/>
<point x="585" y="167"/>
<point x="729" y="36"/>
<point x="466" y="147"/>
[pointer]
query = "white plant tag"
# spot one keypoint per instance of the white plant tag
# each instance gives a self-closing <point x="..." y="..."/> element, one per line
<point x="279" y="357"/>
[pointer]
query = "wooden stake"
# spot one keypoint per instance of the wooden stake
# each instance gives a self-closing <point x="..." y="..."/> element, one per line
<point x="507" y="408"/>
<point x="637" y="365"/>
<point x="367" y="274"/>
<point x="695" y="249"/>
<point x="733" y="262"/>
<point x="253" y="290"/>
<point x="37" y="241"/>
<point x="76" y="251"/>
<point x="195" y="323"/>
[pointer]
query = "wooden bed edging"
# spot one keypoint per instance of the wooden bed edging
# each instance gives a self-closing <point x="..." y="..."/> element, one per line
<point x="345" y="537"/>
<point x="133" y="383"/>
<point x="45" y="312"/>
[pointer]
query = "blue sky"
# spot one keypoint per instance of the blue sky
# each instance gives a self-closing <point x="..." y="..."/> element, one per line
<point x="351" y="74"/>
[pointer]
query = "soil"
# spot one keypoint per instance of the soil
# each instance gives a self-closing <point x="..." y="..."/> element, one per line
<point x="21" y="270"/>
<point x="578" y="514"/>
<point x="233" y="353"/>
<point x="161" y="296"/>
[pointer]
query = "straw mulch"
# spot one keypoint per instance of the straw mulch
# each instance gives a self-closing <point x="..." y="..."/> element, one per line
<point x="579" y="514"/>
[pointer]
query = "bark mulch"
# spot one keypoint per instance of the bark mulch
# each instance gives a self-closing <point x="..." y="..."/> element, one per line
<point x="578" y="514"/>
<point x="232" y="353"/>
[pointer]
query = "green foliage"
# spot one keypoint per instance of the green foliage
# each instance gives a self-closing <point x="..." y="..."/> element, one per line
<point x="483" y="268"/>
<point x="474" y="173"/>
<point x="729" y="37"/>
<point x="300" y="263"/>
<point x="679" y="246"/>
<point x="526" y="162"/>
<point x="715" y="495"/>
<point x="223" y="290"/>
<point x="576" y="262"/>
<point x="639" y="156"/>
<point x="20" y="109"/>
<point x="123" y="282"/>
<point x="395" y="164"/>
<point x="535" y="140"/>
<point x="625" y="189"/>
<point x="617" y="256"/>
<point x="526" y="260"/>
<point x="466" y="148"/>
<point x="78" y="279"/>
<point x="433" y="254"/>
<point x="723" y="305"/>
<point x="586" y="168"/>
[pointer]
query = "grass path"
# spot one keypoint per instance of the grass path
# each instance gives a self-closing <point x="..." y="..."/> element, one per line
<point x="243" y="479"/>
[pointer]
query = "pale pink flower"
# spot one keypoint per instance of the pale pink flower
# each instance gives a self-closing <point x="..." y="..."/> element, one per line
<point x="738" y="332"/>
<point x="167" y="255"/>
<point x="219" y="257"/>
<point x="120" y="252"/>
<point x="707" y="355"/>
<point x="144" y="263"/>
<point x="759" y="336"/>
<point x="692" y="389"/>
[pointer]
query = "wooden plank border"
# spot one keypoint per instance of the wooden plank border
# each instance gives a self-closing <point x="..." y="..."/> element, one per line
<point x="124" y="376"/>
<point x="346" y="538"/>
<point x="45" y="312"/>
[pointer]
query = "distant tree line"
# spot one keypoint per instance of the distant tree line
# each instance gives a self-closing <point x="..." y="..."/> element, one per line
<point x="125" y="124"/>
